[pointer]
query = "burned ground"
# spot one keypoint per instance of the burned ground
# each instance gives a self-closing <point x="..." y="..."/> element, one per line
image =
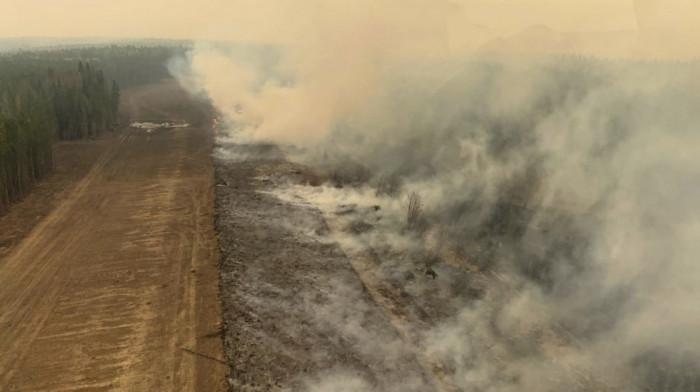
<point x="293" y="306"/>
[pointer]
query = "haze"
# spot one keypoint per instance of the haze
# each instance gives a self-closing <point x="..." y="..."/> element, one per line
<point x="649" y="28"/>
<point x="350" y="195"/>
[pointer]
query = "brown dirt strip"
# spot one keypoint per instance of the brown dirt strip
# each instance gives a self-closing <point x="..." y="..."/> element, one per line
<point x="111" y="287"/>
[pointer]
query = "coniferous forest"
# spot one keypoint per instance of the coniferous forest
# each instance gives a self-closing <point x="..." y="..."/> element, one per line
<point x="68" y="94"/>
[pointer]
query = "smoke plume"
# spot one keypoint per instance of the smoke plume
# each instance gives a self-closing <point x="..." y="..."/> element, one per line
<point x="573" y="179"/>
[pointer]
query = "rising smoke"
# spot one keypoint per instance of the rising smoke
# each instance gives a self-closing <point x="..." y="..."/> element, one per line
<point x="575" y="178"/>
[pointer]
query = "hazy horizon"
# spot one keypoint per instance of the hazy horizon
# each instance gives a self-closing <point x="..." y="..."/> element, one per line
<point x="639" y="28"/>
<point x="395" y="195"/>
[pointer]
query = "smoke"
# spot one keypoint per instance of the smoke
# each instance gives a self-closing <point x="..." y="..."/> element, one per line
<point x="569" y="183"/>
<point x="332" y="64"/>
<point x="578" y="181"/>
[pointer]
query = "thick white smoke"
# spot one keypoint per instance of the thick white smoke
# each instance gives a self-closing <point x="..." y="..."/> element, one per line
<point x="331" y="65"/>
<point x="576" y="179"/>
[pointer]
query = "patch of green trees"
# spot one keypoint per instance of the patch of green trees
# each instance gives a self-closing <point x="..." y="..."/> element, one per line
<point x="128" y="65"/>
<point x="37" y="109"/>
<point x="63" y="94"/>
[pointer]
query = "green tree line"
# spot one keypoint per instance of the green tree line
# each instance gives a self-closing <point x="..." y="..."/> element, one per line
<point x="67" y="93"/>
<point x="129" y="65"/>
<point x="38" y="108"/>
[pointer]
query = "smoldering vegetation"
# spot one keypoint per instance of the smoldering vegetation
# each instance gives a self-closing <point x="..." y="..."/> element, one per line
<point x="573" y="179"/>
<point x="296" y="317"/>
<point x="537" y="216"/>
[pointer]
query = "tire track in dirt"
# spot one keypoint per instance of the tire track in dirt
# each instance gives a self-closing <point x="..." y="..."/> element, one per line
<point x="28" y="307"/>
<point x="111" y="286"/>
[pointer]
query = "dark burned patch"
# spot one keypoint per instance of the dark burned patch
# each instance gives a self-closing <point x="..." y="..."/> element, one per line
<point x="254" y="151"/>
<point x="358" y="226"/>
<point x="662" y="371"/>
<point x="276" y="173"/>
<point x="348" y="173"/>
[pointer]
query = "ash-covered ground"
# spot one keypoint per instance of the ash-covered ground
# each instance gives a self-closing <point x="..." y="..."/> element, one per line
<point x="294" y="309"/>
<point x="327" y="287"/>
<point x="526" y="225"/>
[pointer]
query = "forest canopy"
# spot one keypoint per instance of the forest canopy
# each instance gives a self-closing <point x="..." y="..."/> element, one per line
<point x="66" y="94"/>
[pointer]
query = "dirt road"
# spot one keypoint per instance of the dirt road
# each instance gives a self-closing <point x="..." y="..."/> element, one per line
<point x="116" y="288"/>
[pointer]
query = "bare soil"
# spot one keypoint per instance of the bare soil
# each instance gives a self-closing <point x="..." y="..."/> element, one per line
<point x="72" y="161"/>
<point x="108" y="270"/>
